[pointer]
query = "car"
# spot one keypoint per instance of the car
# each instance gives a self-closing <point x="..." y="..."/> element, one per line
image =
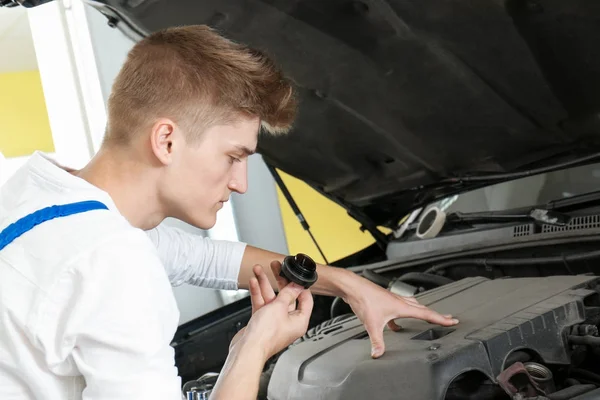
<point x="464" y="137"/>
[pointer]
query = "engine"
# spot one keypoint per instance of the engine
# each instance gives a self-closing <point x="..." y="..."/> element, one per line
<point x="518" y="338"/>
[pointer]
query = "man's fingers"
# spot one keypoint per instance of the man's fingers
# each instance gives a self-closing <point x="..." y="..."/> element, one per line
<point x="434" y="317"/>
<point x="255" y="295"/>
<point x="394" y="326"/>
<point x="265" y="286"/>
<point x="376" y="337"/>
<point x="305" y="302"/>
<point x="300" y="317"/>
<point x="289" y="294"/>
<point x="276" y="268"/>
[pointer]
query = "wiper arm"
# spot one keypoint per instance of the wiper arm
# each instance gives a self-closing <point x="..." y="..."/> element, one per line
<point x="551" y="213"/>
<point x="575" y="202"/>
<point x="537" y="215"/>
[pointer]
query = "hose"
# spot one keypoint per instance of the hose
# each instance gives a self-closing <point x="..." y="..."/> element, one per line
<point x="339" y="307"/>
<point x="570" y="392"/>
<point x="593" y="341"/>
<point x="376" y="278"/>
<point x="425" y="278"/>
<point x="590" y="376"/>
<point x="505" y="262"/>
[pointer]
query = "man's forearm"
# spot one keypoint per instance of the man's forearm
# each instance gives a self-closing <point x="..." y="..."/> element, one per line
<point x="332" y="281"/>
<point x="240" y="376"/>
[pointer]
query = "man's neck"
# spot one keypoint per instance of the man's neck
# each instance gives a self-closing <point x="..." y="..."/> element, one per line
<point x="131" y="185"/>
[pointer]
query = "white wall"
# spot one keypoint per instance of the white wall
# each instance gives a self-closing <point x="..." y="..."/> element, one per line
<point x="255" y="214"/>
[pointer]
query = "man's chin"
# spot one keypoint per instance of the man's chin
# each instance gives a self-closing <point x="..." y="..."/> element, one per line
<point x="205" y="223"/>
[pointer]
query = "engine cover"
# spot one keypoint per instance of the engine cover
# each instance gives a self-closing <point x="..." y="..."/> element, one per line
<point x="496" y="318"/>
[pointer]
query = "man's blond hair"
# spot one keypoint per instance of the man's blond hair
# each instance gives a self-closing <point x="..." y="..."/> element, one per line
<point x="198" y="78"/>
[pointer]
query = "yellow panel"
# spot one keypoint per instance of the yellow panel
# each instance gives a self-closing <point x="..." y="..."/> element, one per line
<point x="336" y="232"/>
<point x="24" y="124"/>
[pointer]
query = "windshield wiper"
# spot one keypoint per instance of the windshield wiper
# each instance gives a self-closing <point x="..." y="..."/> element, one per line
<point x="575" y="202"/>
<point x="538" y="215"/>
<point x="551" y="213"/>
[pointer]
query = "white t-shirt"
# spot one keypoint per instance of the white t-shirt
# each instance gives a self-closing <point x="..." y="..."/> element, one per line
<point x="86" y="307"/>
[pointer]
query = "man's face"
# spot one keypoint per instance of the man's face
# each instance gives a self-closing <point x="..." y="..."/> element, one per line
<point x="203" y="174"/>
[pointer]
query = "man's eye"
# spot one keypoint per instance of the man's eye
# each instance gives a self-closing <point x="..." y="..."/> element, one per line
<point x="233" y="159"/>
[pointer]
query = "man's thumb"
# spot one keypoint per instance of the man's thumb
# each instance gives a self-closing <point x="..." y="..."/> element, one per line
<point x="377" y="344"/>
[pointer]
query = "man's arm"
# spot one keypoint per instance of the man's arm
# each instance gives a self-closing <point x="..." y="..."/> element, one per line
<point x="275" y="323"/>
<point x="373" y="305"/>
<point x="197" y="260"/>
<point x="191" y="259"/>
<point x="332" y="281"/>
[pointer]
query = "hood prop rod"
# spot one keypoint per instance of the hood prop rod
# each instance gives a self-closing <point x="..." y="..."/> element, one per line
<point x="295" y="208"/>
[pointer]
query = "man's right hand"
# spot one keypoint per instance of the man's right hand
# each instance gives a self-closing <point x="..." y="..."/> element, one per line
<point x="276" y="320"/>
<point x="275" y="323"/>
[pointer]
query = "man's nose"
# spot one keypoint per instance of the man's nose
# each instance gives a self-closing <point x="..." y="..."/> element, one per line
<point x="239" y="180"/>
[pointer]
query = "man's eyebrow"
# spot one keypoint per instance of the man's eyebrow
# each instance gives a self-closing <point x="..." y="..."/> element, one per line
<point x="245" y="150"/>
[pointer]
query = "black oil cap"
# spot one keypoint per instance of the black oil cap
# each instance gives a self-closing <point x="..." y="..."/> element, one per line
<point x="300" y="269"/>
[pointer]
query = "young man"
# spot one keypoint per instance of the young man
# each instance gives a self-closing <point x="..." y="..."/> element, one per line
<point x="86" y="307"/>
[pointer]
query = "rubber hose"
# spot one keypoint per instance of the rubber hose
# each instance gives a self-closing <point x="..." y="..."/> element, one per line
<point x="425" y="278"/>
<point x="500" y="262"/>
<point x="593" y="341"/>
<point x="586" y="374"/>
<point x="570" y="392"/>
<point x="376" y="278"/>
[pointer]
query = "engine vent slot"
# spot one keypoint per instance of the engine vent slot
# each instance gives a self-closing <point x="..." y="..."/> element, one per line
<point x="328" y="331"/>
<point x="433" y="334"/>
<point x="577" y="223"/>
<point x="522" y="230"/>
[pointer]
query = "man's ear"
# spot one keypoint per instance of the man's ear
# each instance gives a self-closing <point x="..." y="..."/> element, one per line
<point x="161" y="139"/>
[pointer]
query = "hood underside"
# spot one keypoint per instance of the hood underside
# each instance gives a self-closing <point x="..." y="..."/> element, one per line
<point x="397" y="95"/>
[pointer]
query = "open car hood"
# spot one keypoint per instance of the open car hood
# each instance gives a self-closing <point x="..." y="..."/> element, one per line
<point x="398" y="95"/>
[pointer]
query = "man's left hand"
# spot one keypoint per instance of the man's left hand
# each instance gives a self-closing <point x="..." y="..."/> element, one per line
<point x="377" y="307"/>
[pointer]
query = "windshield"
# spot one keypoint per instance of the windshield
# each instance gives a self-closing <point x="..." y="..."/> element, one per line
<point x="524" y="192"/>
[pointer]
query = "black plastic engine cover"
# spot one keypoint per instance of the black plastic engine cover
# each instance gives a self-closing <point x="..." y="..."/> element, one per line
<point x="497" y="317"/>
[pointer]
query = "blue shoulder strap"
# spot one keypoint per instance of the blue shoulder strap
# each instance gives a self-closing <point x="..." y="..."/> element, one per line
<point x="28" y="222"/>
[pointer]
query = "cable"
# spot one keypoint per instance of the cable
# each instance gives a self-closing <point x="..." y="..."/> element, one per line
<point x="339" y="307"/>
<point x="422" y="277"/>
<point x="295" y="208"/>
<point x="376" y="278"/>
<point x="522" y="174"/>
<point x="503" y="262"/>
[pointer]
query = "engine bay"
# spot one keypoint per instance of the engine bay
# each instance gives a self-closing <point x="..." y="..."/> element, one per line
<point x="519" y="338"/>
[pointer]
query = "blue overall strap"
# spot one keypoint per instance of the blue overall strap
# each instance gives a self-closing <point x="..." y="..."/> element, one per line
<point x="28" y="222"/>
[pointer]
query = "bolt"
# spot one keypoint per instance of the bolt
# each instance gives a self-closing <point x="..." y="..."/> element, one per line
<point x="112" y="22"/>
<point x="589" y="330"/>
<point x="435" y="346"/>
<point x="432" y="357"/>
